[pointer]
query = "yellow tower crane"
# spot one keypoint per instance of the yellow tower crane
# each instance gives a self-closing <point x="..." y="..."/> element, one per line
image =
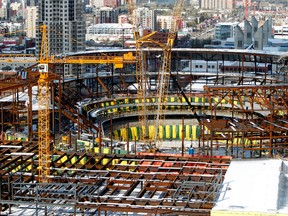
<point x="44" y="91"/>
<point x="43" y="110"/>
<point x="165" y="70"/>
<point x="44" y="94"/>
<point x="141" y="75"/>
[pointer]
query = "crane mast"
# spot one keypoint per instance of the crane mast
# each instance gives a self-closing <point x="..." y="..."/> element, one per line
<point x="164" y="75"/>
<point x="43" y="110"/>
<point x="141" y="78"/>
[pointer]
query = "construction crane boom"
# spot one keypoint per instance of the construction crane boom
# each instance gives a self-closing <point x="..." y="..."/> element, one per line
<point x="141" y="76"/>
<point x="165" y="70"/>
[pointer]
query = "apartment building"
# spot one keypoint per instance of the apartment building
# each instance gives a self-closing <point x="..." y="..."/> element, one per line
<point x="105" y="15"/>
<point x="144" y="17"/>
<point x="217" y="4"/>
<point x="66" y="28"/>
<point x="30" y="22"/>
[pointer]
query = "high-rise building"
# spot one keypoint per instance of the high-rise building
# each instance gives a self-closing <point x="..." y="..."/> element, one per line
<point x="106" y="15"/>
<point x="32" y="2"/>
<point x="144" y="17"/>
<point x="65" y="25"/>
<point x="164" y="22"/>
<point x="30" y="24"/>
<point x="65" y="28"/>
<point x="217" y="4"/>
<point x="3" y="9"/>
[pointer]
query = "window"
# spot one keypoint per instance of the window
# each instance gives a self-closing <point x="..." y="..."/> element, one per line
<point x="239" y="43"/>
<point x="249" y="35"/>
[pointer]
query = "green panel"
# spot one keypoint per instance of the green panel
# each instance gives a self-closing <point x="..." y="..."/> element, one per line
<point x="130" y="134"/>
<point x="55" y="157"/>
<point x="197" y="131"/>
<point x="123" y="152"/>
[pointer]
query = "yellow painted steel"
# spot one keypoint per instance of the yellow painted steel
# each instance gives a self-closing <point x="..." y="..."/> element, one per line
<point x="105" y="161"/>
<point x="144" y="129"/>
<point x="124" y="162"/>
<point x="194" y="137"/>
<point x="161" y="132"/>
<point x="118" y="61"/>
<point x="134" y="133"/>
<point x="180" y="131"/>
<point x="73" y="160"/>
<point x="187" y="132"/>
<point x="115" y="161"/>
<point x="151" y="131"/>
<point x="63" y="159"/>
<point x="174" y="132"/>
<point x="123" y="133"/>
<point x="167" y="129"/>
<point x="106" y="150"/>
<point x="83" y="160"/>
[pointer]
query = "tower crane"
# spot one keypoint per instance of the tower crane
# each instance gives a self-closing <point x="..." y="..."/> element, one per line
<point x="43" y="110"/>
<point x="141" y="76"/>
<point x="165" y="70"/>
<point x="44" y="95"/>
<point x="44" y="91"/>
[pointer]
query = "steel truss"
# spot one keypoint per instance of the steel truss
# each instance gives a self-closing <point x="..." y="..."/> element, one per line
<point x="262" y="125"/>
<point x="83" y="182"/>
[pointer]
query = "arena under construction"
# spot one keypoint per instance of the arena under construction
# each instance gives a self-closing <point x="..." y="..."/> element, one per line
<point x="98" y="163"/>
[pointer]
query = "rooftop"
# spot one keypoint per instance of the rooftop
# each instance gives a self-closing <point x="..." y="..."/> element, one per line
<point x="259" y="185"/>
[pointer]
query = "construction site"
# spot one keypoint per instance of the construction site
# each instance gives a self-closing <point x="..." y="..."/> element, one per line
<point x="134" y="136"/>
